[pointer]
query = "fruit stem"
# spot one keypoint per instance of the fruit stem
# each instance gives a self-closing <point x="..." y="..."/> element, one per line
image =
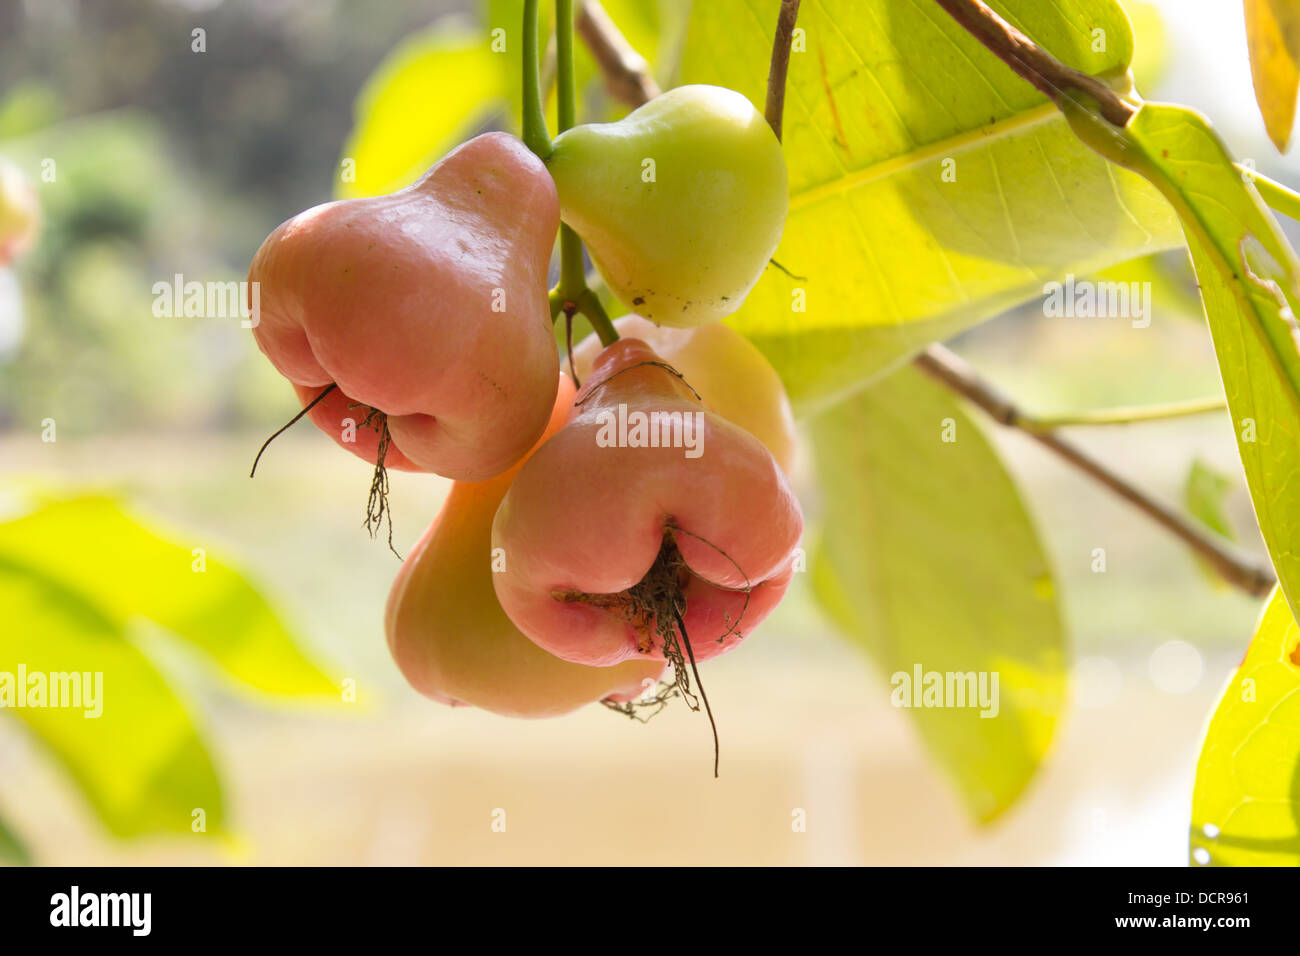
<point x="572" y="289"/>
<point x="535" y="135"/>
<point x="589" y="305"/>
<point x="566" y="86"/>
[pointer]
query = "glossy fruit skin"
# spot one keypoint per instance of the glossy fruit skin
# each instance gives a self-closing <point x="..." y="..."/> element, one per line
<point x="684" y="249"/>
<point x="429" y="305"/>
<point x="590" y="520"/>
<point x="453" y="642"/>
<point x="20" y="213"/>
<point x="728" y="371"/>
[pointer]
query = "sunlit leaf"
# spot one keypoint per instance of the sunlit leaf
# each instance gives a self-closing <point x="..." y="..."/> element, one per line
<point x="1273" y="35"/>
<point x="428" y="94"/>
<point x="126" y="572"/>
<point x="929" y="559"/>
<point x="930" y="188"/>
<point x="140" y="762"/>
<point x="1246" y="805"/>
<point x="1250" y="283"/>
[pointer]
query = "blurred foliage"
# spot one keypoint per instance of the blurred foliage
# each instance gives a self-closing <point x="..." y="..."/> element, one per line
<point x="949" y="583"/>
<point x="1273" y="34"/>
<point x="1204" y="494"/>
<point x="166" y="161"/>
<point x="82" y="576"/>
<point x="388" y="150"/>
<point x="461" y="80"/>
<point x="12" y="848"/>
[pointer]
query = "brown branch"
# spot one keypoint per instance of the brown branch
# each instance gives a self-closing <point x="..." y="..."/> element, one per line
<point x="780" y="65"/>
<point x="1032" y="63"/>
<point x="1242" y="571"/>
<point x="627" y="75"/>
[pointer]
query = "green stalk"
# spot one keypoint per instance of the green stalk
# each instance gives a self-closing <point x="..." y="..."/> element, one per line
<point x="565" y="84"/>
<point x="572" y="289"/>
<point x="535" y="136"/>
<point x="1125" y="416"/>
<point x="589" y="305"/>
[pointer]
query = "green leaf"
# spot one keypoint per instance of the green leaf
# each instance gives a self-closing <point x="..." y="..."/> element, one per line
<point x="1249" y="277"/>
<point x="426" y="95"/>
<point x="140" y="762"/>
<point x="928" y="558"/>
<point x="125" y="571"/>
<point x="1203" y="496"/>
<point x="12" y="848"/>
<point x="1273" y="35"/>
<point x="888" y="102"/>
<point x="1246" y="804"/>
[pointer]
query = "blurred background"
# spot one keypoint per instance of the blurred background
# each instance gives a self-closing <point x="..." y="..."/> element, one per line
<point x="170" y="162"/>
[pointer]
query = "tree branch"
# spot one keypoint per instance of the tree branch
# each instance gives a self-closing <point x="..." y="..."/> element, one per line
<point x="627" y="75"/>
<point x="1031" y="62"/>
<point x="780" y="65"/>
<point x="937" y="361"/>
<point x="1242" y="571"/>
<point x="1128" y="415"/>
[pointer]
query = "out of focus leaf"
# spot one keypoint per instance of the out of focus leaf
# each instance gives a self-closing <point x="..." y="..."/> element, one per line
<point x="1170" y="277"/>
<point x="12" y="848"/>
<point x="125" y="571"/>
<point x="1203" y="496"/>
<point x="1150" y="43"/>
<point x="1246" y="804"/>
<point x="918" y="209"/>
<point x="140" y="763"/>
<point x="75" y="576"/>
<point x="426" y="96"/>
<point x="929" y="559"/>
<point x="1273" y="34"/>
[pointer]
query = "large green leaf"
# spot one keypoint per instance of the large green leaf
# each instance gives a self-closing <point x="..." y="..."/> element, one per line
<point x="928" y="558"/>
<point x="1246" y="805"/>
<point x="140" y="762"/>
<point x="90" y="547"/>
<point x="76" y="578"/>
<point x="888" y="97"/>
<point x="1250" y="283"/>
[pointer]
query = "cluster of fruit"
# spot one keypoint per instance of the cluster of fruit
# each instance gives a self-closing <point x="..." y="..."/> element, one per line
<point x="595" y="533"/>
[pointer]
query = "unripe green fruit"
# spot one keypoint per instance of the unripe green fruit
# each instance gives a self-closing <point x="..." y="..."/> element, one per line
<point x="681" y="203"/>
<point x="20" y="212"/>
